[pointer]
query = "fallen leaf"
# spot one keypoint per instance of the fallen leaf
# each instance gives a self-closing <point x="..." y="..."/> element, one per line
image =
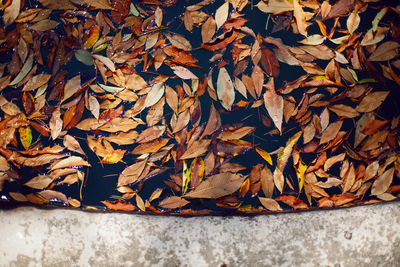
<point x="372" y="101"/>
<point x="383" y="182"/>
<point x="274" y="105"/>
<point x="39" y="182"/>
<point x="270" y="204"/>
<point x="173" y="202"/>
<point x="119" y="205"/>
<point x="330" y="132"/>
<point x="386" y="51"/>
<point x="56" y="124"/>
<point x="217" y="185"/>
<point x="221" y="15"/>
<point x="225" y="90"/>
<point x="197" y="148"/>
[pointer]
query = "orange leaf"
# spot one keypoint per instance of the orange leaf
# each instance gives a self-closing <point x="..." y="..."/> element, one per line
<point x="119" y="205"/>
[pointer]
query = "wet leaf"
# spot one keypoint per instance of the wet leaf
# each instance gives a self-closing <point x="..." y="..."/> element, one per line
<point x="130" y="174"/>
<point x="119" y="205"/>
<point x="25" y="135"/>
<point x="383" y="182"/>
<point x="217" y="185"/>
<point x="120" y="9"/>
<point x="11" y="12"/>
<point x="71" y="87"/>
<point x="39" y="182"/>
<point x="56" y="124"/>
<point x="265" y="155"/>
<point x="385" y="51"/>
<point x="197" y="148"/>
<point x="274" y="105"/>
<point x="183" y="73"/>
<point x="344" y="111"/>
<point x="173" y="202"/>
<point x="221" y="15"/>
<point x="270" y="204"/>
<point x="330" y="132"/>
<point x="372" y="101"/>
<point x="225" y="90"/>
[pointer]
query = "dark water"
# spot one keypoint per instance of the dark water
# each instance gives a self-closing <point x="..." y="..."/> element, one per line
<point x="101" y="179"/>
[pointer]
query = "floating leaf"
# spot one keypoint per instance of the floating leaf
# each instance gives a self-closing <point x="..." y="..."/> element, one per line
<point x="217" y="185"/>
<point x="119" y="205"/>
<point x="383" y="182"/>
<point x="173" y="202"/>
<point x="225" y="90"/>
<point x="208" y="30"/>
<point x="372" y="101"/>
<point x="270" y="204"/>
<point x="25" y="135"/>
<point x="221" y="14"/>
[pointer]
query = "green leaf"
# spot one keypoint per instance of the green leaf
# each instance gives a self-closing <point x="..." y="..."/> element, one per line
<point x="24" y="71"/>
<point x="84" y="56"/>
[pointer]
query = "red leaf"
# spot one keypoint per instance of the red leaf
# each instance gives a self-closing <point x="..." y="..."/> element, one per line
<point x="269" y="62"/>
<point x="120" y="10"/>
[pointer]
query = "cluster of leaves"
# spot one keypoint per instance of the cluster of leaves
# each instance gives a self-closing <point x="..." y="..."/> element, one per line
<point x="145" y="90"/>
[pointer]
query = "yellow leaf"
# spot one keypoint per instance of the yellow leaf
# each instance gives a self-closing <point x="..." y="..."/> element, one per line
<point x="300" y="171"/>
<point x="265" y="155"/>
<point x="113" y="157"/>
<point x="185" y="178"/>
<point x="25" y="135"/>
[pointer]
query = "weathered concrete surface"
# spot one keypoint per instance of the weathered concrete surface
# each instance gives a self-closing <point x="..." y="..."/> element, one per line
<point x="361" y="236"/>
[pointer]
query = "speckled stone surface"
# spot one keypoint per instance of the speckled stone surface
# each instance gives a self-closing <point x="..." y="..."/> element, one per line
<point x="360" y="236"/>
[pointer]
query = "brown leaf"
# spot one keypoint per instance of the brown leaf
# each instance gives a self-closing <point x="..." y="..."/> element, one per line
<point x="213" y="124"/>
<point x="131" y="173"/>
<point x="173" y="202"/>
<point x="300" y="16"/>
<point x="340" y="8"/>
<point x="274" y="105"/>
<point x="36" y="81"/>
<point x="208" y="30"/>
<point x="330" y="132"/>
<point x="344" y="111"/>
<point x="69" y="162"/>
<point x="39" y="182"/>
<point x="270" y="204"/>
<point x="332" y="160"/>
<point x="11" y="12"/>
<point x="55" y="123"/>
<point x="72" y="144"/>
<point x="386" y="51"/>
<point x="179" y="41"/>
<point x="372" y="101"/>
<point x="150" y="147"/>
<point x="235" y="133"/>
<point x="225" y="90"/>
<point x="383" y="182"/>
<point x="150" y="134"/>
<point x="197" y="148"/>
<point x="217" y="185"/>
<point x="62" y="4"/>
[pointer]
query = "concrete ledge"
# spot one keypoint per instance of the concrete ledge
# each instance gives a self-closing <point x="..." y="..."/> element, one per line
<point x="359" y="236"/>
